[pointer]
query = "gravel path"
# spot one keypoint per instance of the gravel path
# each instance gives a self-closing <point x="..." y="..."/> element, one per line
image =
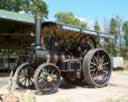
<point x="3" y="81"/>
<point x="118" y="87"/>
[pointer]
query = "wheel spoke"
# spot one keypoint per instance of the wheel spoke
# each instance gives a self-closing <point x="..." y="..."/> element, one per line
<point x="85" y="51"/>
<point x="104" y="68"/>
<point x="53" y="85"/>
<point x="104" y="75"/>
<point x="94" y="69"/>
<point x="97" y="72"/>
<point x="55" y="79"/>
<point x="22" y="81"/>
<point x="102" y="59"/>
<point x="29" y="82"/>
<point x="25" y="82"/>
<point x="93" y="66"/>
<point x="53" y="72"/>
<point x="48" y="70"/>
<point x="92" y="63"/>
<point x="96" y="59"/>
<point x="95" y="76"/>
<point x="21" y="76"/>
<point x="93" y="73"/>
<point x="104" y="64"/>
<point x="105" y="72"/>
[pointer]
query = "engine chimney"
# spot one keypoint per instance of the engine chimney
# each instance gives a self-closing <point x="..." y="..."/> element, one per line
<point x="38" y="20"/>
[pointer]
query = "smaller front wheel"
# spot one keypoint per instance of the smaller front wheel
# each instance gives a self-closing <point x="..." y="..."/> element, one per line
<point x="47" y="78"/>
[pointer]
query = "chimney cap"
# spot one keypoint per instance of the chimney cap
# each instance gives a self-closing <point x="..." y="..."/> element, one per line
<point x="38" y="16"/>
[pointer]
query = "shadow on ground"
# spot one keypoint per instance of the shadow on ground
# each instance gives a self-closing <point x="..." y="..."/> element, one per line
<point x="4" y="73"/>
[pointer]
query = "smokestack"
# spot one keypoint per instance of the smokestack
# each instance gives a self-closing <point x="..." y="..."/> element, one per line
<point x="38" y="20"/>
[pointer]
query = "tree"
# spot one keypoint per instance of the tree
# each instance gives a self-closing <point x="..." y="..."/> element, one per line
<point x="69" y="18"/>
<point x="111" y="45"/>
<point x="113" y="26"/>
<point x="113" y="42"/>
<point x="11" y="5"/>
<point x="97" y="29"/>
<point x="119" y="29"/>
<point x="35" y="7"/>
<point x="97" y="26"/>
<point x="28" y="6"/>
<point x="125" y="30"/>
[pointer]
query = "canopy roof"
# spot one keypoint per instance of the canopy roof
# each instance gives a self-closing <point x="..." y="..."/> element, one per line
<point x="8" y="15"/>
<point x="15" y="29"/>
<point x="70" y="32"/>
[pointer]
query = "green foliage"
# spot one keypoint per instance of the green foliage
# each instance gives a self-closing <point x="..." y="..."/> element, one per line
<point x="113" y="26"/>
<point x="124" y="53"/>
<point x="97" y="29"/>
<point x="69" y="18"/>
<point x="97" y="26"/>
<point x="35" y="7"/>
<point x="28" y="6"/>
<point x="125" y="30"/>
<point x="11" y="5"/>
<point x="111" y="45"/>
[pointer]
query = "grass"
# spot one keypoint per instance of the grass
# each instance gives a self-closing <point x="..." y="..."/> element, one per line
<point x="122" y="72"/>
<point x="125" y="71"/>
<point x="120" y="99"/>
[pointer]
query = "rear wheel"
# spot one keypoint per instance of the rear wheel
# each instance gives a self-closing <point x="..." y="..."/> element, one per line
<point x="47" y="78"/>
<point x="25" y="75"/>
<point x="97" y="68"/>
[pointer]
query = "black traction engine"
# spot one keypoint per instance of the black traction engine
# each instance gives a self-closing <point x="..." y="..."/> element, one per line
<point x="63" y="52"/>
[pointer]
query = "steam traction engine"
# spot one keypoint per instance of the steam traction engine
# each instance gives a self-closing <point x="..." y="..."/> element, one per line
<point x="67" y="52"/>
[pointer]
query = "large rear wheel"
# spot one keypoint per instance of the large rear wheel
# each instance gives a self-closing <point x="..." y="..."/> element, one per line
<point x="97" y="67"/>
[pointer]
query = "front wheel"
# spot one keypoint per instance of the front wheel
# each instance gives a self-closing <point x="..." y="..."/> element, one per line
<point x="97" y="67"/>
<point x="47" y="78"/>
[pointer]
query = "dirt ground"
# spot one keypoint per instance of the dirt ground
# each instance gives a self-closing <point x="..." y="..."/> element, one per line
<point x="117" y="89"/>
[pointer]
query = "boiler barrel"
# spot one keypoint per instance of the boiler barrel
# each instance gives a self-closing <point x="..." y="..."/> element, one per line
<point x="38" y="57"/>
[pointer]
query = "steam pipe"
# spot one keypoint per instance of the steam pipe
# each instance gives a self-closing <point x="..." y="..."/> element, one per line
<point x="38" y="20"/>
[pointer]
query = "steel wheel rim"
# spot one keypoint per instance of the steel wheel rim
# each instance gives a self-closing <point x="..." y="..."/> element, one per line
<point x="25" y="77"/>
<point x="48" y="79"/>
<point x="100" y="68"/>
